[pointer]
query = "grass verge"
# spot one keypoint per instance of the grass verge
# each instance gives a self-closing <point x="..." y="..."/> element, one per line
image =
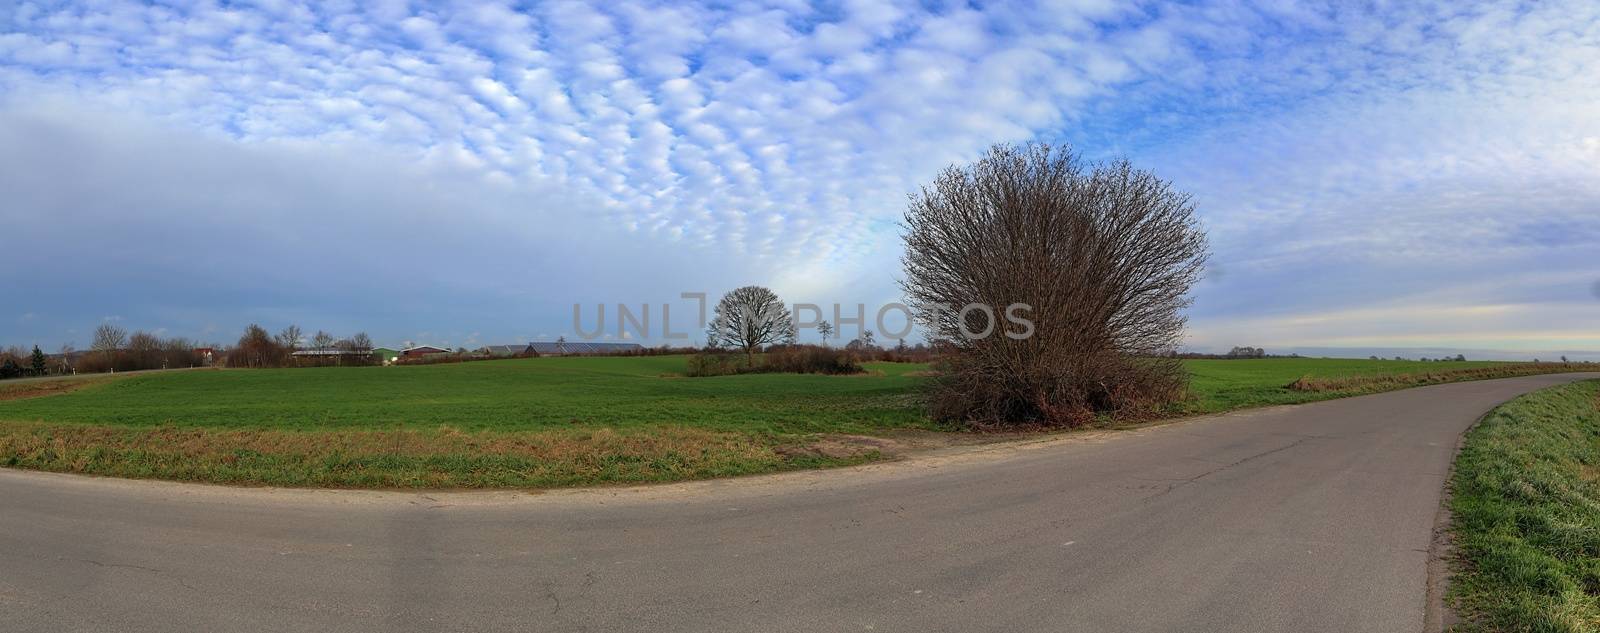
<point x="407" y="458"/>
<point x="1407" y="380"/>
<point x="1526" y="515"/>
<point x="1228" y="385"/>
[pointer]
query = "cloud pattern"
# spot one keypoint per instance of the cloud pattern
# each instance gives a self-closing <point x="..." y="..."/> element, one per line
<point x="1458" y="142"/>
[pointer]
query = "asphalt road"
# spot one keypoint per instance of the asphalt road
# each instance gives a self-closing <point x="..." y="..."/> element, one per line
<point x="1311" y="518"/>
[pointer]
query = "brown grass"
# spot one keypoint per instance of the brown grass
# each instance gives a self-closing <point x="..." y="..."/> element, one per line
<point x="41" y="388"/>
<point x="441" y="458"/>
<point x="1362" y="384"/>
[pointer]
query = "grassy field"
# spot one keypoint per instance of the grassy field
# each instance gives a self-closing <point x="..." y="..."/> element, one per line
<point x="508" y="395"/>
<point x="530" y="422"/>
<point x="1225" y="385"/>
<point x="1526" y="508"/>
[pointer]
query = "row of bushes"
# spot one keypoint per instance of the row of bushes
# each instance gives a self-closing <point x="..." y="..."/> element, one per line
<point x="1384" y="382"/>
<point x="162" y="357"/>
<point x="791" y="359"/>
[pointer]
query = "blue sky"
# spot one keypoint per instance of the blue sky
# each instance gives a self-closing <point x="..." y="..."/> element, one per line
<point x="1404" y="175"/>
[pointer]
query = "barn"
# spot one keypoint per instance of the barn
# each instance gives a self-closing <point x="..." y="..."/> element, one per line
<point x="422" y="350"/>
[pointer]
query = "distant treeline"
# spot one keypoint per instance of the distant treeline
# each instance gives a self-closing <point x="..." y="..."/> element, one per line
<point x="1236" y="353"/>
<point x="16" y="362"/>
<point x="256" y="348"/>
<point x="116" y="349"/>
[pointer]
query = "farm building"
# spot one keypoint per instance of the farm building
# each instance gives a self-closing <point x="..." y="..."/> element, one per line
<point x="583" y="348"/>
<point x="422" y="350"/>
<point x="329" y="353"/>
<point x="385" y="355"/>
<point x="331" y="356"/>
<point x="501" y="351"/>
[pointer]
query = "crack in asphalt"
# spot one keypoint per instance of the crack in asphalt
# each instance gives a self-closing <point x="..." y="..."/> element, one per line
<point x="1179" y="483"/>
<point x="154" y="570"/>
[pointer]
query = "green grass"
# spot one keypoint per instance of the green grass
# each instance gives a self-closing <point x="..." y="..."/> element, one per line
<point x="507" y="395"/>
<point x="528" y="422"/>
<point x="1225" y="385"/>
<point x="1526" y="505"/>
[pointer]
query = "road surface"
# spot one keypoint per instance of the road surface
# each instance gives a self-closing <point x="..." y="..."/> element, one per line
<point x="1310" y="518"/>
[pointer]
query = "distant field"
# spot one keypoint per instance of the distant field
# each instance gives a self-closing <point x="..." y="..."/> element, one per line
<point x="529" y="422"/>
<point x="1224" y="385"/>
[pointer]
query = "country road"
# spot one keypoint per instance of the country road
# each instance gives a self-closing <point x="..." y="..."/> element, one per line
<point x="1311" y="518"/>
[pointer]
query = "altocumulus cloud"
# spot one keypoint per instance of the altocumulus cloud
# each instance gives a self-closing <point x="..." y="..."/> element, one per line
<point x="1420" y="174"/>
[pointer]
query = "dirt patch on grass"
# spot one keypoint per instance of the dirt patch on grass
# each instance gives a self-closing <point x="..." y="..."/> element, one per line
<point x="837" y="446"/>
<point x="1362" y="384"/>
<point x="891" y="444"/>
<point x="42" y="388"/>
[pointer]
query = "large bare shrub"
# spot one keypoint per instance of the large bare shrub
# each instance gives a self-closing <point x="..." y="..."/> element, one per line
<point x="809" y="359"/>
<point x="778" y="359"/>
<point x="1104" y="254"/>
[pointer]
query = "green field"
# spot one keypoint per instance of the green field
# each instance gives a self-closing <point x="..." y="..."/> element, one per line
<point x="506" y="395"/>
<point x="528" y="422"/>
<point x="1526" y="506"/>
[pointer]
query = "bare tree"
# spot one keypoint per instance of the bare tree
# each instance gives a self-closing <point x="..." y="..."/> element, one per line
<point x="861" y="343"/>
<point x="108" y="342"/>
<point x="361" y="342"/>
<point x="749" y="318"/>
<point x="256" y="348"/>
<point x="144" y="351"/>
<point x="322" y="341"/>
<point x="177" y="352"/>
<point x="109" y="338"/>
<point x="291" y="337"/>
<point x="1103" y="256"/>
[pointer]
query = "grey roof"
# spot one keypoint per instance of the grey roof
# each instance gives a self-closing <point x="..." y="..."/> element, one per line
<point x="506" y="350"/>
<point x="331" y="352"/>
<point x="584" y="347"/>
